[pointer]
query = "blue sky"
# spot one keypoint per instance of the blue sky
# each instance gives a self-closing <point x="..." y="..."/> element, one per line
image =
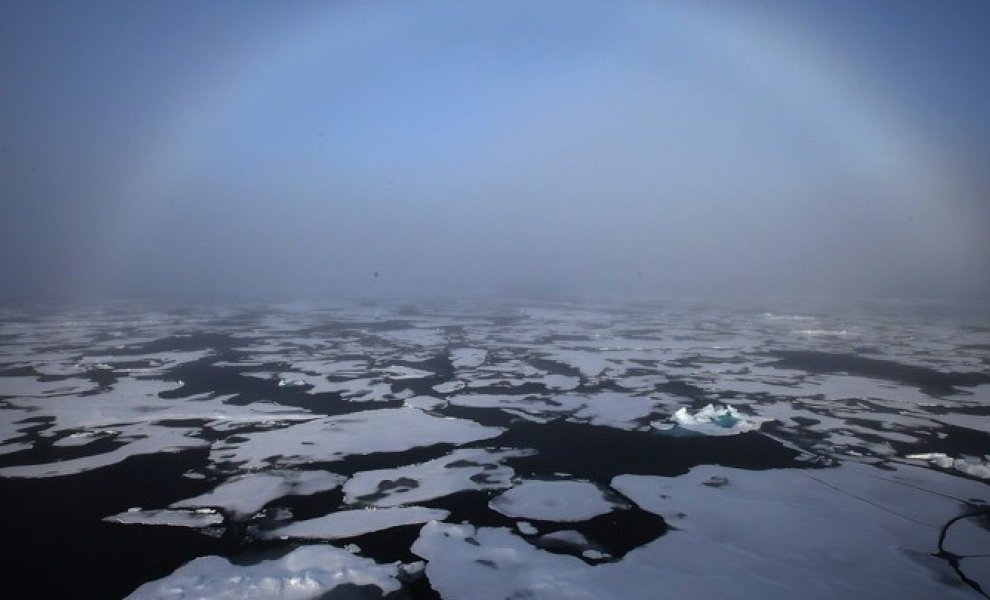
<point x="280" y="149"/>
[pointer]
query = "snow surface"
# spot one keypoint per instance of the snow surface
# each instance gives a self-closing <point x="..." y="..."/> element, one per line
<point x="305" y="573"/>
<point x="561" y="501"/>
<point x="853" y="531"/>
<point x="467" y="358"/>
<point x="333" y="438"/>
<point x="970" y="466"/>
<point x="620" y="411"/>
<point x="203" y="517"/>
<point x="351" y="523"/>
<point x="245" y="495"/>
<point x="461" y="470"/>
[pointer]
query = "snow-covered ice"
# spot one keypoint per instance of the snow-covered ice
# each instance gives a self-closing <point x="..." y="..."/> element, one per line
<point x="305" y="573"/>
<point x="562" y="501"/>
<point x="711" y="420"/>
<point x="461" y="470"/>
<point x="245" y="495"/>
<point x="352" y="523"/>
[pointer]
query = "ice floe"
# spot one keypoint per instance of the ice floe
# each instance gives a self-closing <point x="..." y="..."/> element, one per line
<point x="467" y="358"/>
<point x="975" y="467"/>
<point x="352" y="523"/>
<point x="448" y="387"/>
<point x="610" y="409"/>
<point x="425" y="402"/>
<point x="307" y="572"/>
<point x="139" y="439"/>
<point x="489" y="563"/>
<point x="822" y="534"/>
<point x="333" y="438"/>
<point x="245" y="495"/>
<point x="461" y="470"/>
<point x="202" y="517"/>
<point x="560" y="501"/>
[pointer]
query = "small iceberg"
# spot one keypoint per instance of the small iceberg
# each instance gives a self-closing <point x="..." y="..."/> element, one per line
<point x="710" y="420"/>
<point x="292" y="383"/>
<point x="971" y="466"/>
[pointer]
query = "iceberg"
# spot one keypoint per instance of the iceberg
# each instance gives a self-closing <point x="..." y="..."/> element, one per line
<point x="711" y="420"/>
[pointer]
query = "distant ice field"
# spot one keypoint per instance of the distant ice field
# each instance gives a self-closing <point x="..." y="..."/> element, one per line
<point x="471" y="450"/>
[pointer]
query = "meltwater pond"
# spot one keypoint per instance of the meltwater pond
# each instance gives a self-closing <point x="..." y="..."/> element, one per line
<point x="543" y="450"/>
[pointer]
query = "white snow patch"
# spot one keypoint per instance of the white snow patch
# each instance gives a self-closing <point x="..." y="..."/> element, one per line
<point x="247" y="494"/>
<point x="307" y="572"/>
<point x="462" y="469"/>
<point x="174" y="518"/>
<point x="332" y="438"/>
<point x="425" y="402"/>
<point x="526" y="528"/>
<point x="781" y="533"/>
<point x="468" y="358"/>
<point x="448" y="387"/>
<point x="970" y="466"/>
<point x="619" y="411"/>
<point x="351" y="523"/>
<point x="398" y="373"/>
<point x="560" y="501"/>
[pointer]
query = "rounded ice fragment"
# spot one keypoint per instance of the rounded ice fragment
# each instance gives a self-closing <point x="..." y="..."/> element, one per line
<point x="563" y="501"/>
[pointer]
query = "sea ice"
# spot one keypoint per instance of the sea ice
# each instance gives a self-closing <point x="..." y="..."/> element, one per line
<point x="425" y="402"/>
<point x="852" y="531"/>
<point x="332" y="438"/>
<point x="245" y="495"/>
<point x="398" y="373"/>
<point x="306" y="572"/>
<point x="351" y="523"/>
<point x="491" y="563"/>
<point x="175" y="518"/>
<point x="538" y="406"/>
<point x="467" y="358"/>
<point x="970" y="466"/>
<point x="462" y="469"/>
<point x="561" y="501"/>
<point x="449" y="387"/>
<point x="611" y="409"/>
<point x="711" y="420"/>
<point x="140" y="438"/>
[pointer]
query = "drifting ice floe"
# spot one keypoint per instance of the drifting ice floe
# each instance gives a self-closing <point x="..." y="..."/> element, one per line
<point x="245" y="495"/>
<point x="561" y="501"/>
<point x="425" y="402"/>
<point x="141" y="439"/>
<point x="711" y="420"/>
<point x="970" y="466"/>
<point x="131" y="413"/>
<point x="203" y="517"/>
<point x="619" y="411"/>
<point x="467" y="358"/>
<point x="465" y="562"/>
<point x="461" y="470"/>
<point x="304" y="573"/>
<point x="352" y="523"/>
<point x="332" y="438"/>
<point x="536" y="406"/>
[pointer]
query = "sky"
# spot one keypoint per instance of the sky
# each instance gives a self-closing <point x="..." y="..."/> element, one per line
<point x="550" y="148"/>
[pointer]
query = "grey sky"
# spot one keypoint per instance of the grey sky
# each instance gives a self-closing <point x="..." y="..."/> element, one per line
<point x="295" y="149"/>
